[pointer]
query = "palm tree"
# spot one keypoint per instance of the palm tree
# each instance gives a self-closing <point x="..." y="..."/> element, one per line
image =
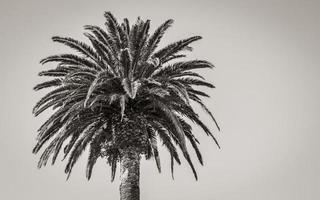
<point x="119" y="97"/>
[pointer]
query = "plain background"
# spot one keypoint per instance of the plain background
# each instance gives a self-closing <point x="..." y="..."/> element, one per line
<point x="267" y="98"/>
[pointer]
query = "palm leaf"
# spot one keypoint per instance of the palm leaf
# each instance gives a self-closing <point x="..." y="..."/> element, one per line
<point x="174" y="48"/>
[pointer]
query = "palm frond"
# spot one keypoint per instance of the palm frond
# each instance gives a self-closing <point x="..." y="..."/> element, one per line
<point x="192" y="81"/>
<point x="175" y="47"/>
<point x="154" y="147"/>
<point x="81" y="144"/>
<point x="168" y="113"/>
<point x="126" y="63"/>
<point x="52" y="83"/>
<point x="112" y="27"/>
<point x="179" y="67"/>
<point x="156" y="37"/>
<point x="70" y="59"/>
<point x="113" y="164"/>
<point x="79" y="46"/>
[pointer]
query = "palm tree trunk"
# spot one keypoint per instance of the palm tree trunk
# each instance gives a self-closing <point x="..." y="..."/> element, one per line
<point x="129" y="174"/>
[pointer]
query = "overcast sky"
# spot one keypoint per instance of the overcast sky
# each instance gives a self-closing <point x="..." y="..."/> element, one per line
<point x="266" y="101"/>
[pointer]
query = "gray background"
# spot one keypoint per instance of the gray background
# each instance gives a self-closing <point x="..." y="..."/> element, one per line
<point x="267" y="98"/>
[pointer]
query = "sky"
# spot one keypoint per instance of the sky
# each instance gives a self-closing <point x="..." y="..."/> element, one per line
<point x="266" y="98"/>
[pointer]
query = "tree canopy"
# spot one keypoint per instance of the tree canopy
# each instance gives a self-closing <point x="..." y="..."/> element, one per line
<point x="121" y="91"/>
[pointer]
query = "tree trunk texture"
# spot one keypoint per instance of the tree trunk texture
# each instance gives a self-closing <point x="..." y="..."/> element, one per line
<point x="129" y="174"/>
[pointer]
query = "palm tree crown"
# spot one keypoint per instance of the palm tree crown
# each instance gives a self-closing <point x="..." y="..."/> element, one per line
<point x="121" y="92"/>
